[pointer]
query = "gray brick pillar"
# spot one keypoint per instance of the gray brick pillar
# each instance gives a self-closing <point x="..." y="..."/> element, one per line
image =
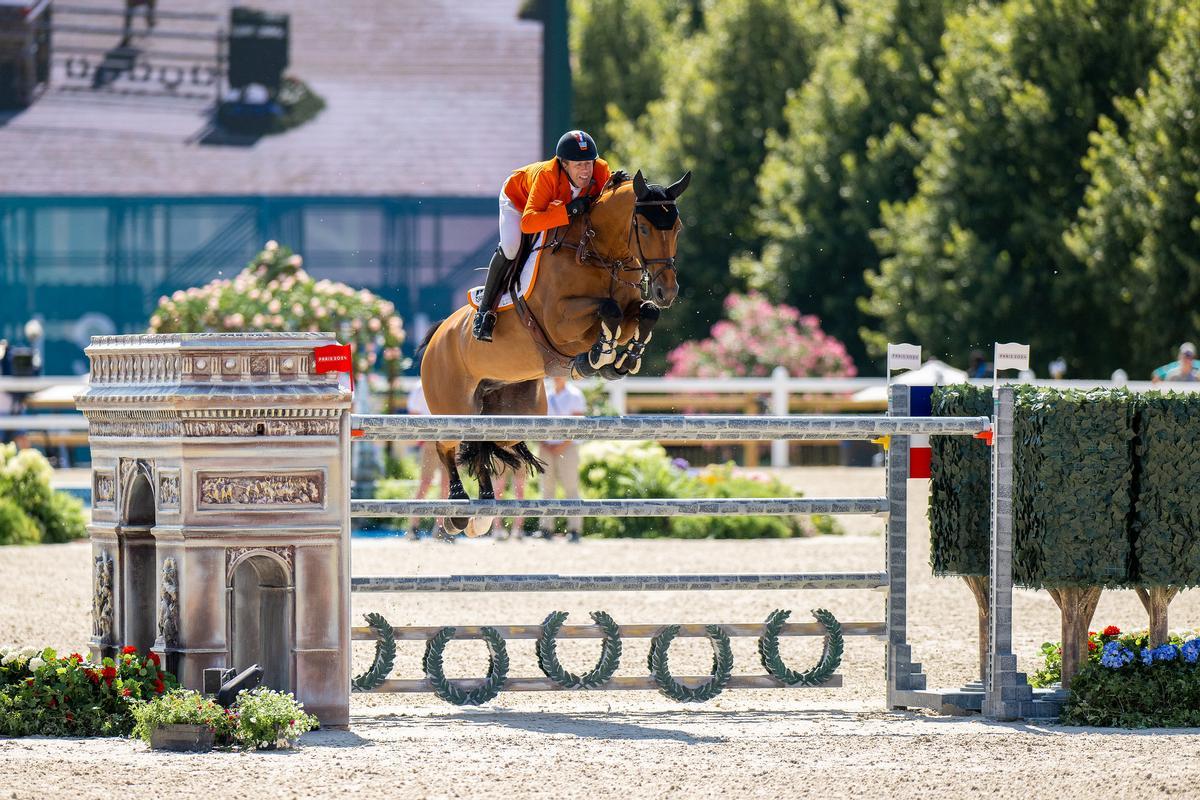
<point x="1007" y="695"/>
<point x="902" y="674"/>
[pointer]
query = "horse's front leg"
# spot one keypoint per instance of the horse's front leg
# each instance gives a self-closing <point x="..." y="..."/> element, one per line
<point x="447" y="453"/>
<point x="604" y="351"/>
<point x="629" y="359"/>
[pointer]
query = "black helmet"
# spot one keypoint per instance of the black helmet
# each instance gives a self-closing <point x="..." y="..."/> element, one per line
<point x="576" y="146"/>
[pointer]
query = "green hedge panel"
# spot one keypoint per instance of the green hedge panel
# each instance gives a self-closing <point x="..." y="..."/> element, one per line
<point x="1166" y="522"/>
<point x="960" y="519"/>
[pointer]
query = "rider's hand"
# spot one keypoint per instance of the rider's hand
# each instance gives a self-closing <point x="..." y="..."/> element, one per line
<point x="578" y="206"/>
<point x="619" y="177"/>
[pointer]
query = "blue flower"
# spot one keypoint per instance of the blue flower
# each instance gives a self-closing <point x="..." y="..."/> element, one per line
<point x="1190" y="651"/>
<point x="1165" y="652"/>
<point x="680" y="464"/>
<point x="1147" y="656"/>
<point x="1115" y="655"/>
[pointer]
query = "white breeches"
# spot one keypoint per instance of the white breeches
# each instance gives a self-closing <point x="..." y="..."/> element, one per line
<point x="510" y="227"/>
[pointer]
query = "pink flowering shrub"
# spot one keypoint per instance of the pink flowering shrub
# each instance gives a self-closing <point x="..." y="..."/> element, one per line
<point x="274" y="293"/>
<point x="757" y="336"/>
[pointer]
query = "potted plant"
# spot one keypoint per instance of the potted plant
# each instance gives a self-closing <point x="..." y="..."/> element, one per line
<point x="267" y="719"/>
<point x="183" y="720"/>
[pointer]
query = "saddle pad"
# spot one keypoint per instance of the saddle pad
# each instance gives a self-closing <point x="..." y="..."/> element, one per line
<point x="524" y="283"/>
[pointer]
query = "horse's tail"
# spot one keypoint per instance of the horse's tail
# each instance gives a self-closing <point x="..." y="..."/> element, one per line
<point x="420" y="352"/>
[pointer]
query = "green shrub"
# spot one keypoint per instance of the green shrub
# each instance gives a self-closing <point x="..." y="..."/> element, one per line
<point x="269" y="719"/>
<point x="960" y="520"/>
<point x="183" y="707"/>
<point x="402" y="467"/>
<point x="25" y="484"/>
<point x="17" y="527"/>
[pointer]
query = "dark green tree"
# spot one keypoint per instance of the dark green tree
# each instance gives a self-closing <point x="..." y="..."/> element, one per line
<point x="725" y="89"/>
<point x="619" y="51"/>
<point x="848" y="148"/>
<point x="1138" y="232"/>
<point x="977" y="254"/>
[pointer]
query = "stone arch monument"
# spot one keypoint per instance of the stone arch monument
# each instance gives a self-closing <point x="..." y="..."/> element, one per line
<point x="220" y="523"/>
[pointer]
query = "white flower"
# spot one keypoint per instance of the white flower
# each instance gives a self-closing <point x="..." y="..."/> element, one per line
<point x="271" y="246"/>
<point x="35" y="662"/>
<point x="29" y="652"/>
<point x="295" y="261"/>
<point x="274" y="306"/>
<point x="8" y="658"/>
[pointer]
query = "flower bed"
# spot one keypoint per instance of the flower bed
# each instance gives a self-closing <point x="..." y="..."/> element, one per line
<point x="1130" y="685"/>
<point x="260" y="718"/>
<point x="42" y="694"/>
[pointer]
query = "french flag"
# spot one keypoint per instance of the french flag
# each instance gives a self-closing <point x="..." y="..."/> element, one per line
<point x="920" y="404"/>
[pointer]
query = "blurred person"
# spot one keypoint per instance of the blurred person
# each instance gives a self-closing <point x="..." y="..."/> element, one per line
<point x="977" y="365"/>
<point x="562" y="457"/>
<point x="499" y="485"/>
<point x="1183" y="369"/>
<point x="427" y="457"/>
<point x="536" y="198"/>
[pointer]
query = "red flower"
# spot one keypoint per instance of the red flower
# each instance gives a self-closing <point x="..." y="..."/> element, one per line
<point x="1092" y="646"/>
<point x="152" y="657"/>
<point x="159" y="686"/>
<point x="127" y="692"/>
<point x="52" y="702"/>
<point x="93" y="676"/>
<point x="75" y="657"/>
<point x="109" y="673"/>
<point x="70" y="717"/>
<point x="1112" y="630"/>
<point x="128" y="650"/>
<point x="29" y="681"/>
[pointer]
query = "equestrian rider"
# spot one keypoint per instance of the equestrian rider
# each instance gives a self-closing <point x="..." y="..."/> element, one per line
<point x="538" y="198"/>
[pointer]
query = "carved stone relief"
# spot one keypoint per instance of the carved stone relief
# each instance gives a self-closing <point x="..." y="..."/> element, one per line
<point x="234" y="554"/>
<point x="102" y="598"/>
<point x="296" y="489"/>
<point x="168" y="604"/>
<point x="104" y="488"/>
<point x="168" y="489"/>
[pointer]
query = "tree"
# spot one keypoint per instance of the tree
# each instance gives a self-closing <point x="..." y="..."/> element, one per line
<point x="620" y="49"/>
<point x="726" y="88"/>
<point x="978" y="251"/>
<point x="1138" y="232"/>
<point x="848" y="148"/>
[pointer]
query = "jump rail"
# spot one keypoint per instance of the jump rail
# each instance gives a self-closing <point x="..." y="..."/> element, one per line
<point x="672" y="507"/>
<point x="619" y="583"/>
<point x="501" y="429"/>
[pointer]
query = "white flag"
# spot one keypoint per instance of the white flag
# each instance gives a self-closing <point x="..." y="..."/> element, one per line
<point x="1011" y="356"/>
<point x="903" y="356"/>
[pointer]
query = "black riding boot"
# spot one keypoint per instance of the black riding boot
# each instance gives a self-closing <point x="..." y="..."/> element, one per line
<point x="485" y="316"/>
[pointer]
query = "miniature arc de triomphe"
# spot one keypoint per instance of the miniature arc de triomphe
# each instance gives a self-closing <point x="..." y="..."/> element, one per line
<point x="220" y="530"/>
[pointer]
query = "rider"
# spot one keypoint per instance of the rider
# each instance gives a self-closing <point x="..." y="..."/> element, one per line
<point x="537" y="198"/>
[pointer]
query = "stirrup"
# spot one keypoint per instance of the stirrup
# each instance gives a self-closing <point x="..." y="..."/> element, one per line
<point x="484" y="325"/>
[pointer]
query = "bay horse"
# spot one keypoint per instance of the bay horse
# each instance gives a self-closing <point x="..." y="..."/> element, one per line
<point x="600" y="284"/>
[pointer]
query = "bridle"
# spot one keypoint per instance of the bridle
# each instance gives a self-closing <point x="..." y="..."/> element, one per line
<point x="617" y="267"/>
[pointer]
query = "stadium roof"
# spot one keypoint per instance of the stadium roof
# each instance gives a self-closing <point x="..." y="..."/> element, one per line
<point x="424" y="97"/>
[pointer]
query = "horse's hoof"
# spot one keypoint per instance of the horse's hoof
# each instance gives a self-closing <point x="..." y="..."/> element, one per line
<point x="611" y="373"/>
<point x="455" y="525"/>
<point x="479" y="526"/>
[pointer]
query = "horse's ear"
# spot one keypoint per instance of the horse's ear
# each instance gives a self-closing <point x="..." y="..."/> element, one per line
<point x="680" y="186"/>
<point x="640" y="189"/>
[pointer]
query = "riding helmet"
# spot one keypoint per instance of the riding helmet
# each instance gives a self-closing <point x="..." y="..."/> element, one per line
<point x="576" y="146"/>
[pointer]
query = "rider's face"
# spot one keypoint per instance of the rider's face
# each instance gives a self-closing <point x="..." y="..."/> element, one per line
<point x="580" y="172"/>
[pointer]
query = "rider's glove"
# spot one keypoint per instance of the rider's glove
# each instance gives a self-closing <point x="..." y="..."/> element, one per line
<point x="578" y="206"/>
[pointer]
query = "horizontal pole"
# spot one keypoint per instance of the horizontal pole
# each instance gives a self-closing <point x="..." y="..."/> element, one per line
<point x="665" y="507"/>
<point x="618" y="583"/>
<point x="616" y="684"/>
<point x="709" y="427"/>
<point x="422" y="633"/>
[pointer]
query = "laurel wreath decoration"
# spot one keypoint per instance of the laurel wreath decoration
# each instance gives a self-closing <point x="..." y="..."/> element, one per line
<point x="385" y="655"/>
<point x="606" y="667"/>
<point x="831" y="656"/>
<point x="722" y="667"/>
<point x="497" y="672"/>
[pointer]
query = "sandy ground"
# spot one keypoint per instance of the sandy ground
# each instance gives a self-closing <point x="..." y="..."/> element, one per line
<point x="770" y="743"/>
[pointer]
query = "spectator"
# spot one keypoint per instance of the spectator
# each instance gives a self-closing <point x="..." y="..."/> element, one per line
<point x="1183" y="369"/>
<point x="427" y="456"/>
<point x="978" y="365"/>
<point x="499" y="485"/>
<point x="562" y="458"/>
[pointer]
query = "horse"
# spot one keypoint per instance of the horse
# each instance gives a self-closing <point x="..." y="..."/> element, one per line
<point x="600" y="285"/>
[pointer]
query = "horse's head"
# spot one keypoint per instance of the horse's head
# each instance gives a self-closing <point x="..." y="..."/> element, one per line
<point x="656" y="228"/>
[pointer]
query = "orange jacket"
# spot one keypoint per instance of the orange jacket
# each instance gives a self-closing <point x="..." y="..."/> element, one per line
<point x="542" y="191"/>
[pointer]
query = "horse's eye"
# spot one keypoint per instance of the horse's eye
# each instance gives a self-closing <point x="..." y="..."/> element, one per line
<point x="644" y="230"/>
